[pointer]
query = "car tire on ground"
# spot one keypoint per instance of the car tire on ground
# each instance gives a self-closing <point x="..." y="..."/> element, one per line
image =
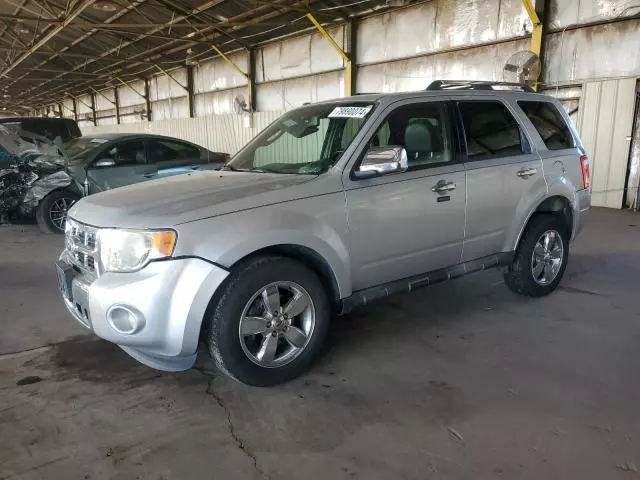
<point x="541" y="257"/>
<point x="52" y="210"/>
<point x="268" y="322"/>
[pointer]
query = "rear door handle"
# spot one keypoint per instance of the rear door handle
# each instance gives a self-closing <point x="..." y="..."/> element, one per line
<point x="443" y="187"/>
<point x="527" y="172"/>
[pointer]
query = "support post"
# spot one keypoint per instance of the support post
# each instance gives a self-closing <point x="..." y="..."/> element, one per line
<point x="147" y="98"/>
<point x="61" y="110"/>
<point x="190" y="92"/>
<point x="75" y="108"/>
<point x="536" y="13"/>
<point x="116" y="103"/>
<point x="351" y="68"/>
<point x="347" y="61"/>
<point x="93" y="109"/>
<point x="251" y="85"/>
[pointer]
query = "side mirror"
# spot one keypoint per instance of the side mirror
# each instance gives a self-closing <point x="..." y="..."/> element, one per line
<point x="382" y="161"/>
<point x="104" y="162"/>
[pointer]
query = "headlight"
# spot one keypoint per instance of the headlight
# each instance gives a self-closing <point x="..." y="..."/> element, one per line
<point x="130" y="250"/>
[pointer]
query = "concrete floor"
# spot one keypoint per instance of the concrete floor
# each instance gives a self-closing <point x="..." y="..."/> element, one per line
<point x="463" y="380"/>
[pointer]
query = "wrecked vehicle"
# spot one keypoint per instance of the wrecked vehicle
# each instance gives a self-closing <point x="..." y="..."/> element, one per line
<point x="32" y="168"/>
<point x="39" y="179"/>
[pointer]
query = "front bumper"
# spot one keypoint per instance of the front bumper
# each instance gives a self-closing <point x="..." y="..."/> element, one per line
<point x="169" y="298"/>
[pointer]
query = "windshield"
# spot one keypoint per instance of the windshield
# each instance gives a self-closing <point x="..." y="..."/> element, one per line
<point x="77" y="149"/>
<point x="307" y="140"/>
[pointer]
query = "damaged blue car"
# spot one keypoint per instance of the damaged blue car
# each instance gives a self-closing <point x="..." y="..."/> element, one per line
<point x="43" y="180"/>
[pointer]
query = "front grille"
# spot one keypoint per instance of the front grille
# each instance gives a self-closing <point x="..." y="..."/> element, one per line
<point x="80" y="245"/>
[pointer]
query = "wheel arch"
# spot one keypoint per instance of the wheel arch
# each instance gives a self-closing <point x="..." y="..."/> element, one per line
<point x="306" y="255"/>
<point x="557" y="204"/>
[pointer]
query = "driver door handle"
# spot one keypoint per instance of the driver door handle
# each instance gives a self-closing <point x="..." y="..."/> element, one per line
<point x="527" y="172"/>
<point x="443" y="187"/>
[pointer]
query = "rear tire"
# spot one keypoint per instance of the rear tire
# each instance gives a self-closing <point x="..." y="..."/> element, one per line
<point x="269" y="321"/>
<point x="51" y="213"/>
<point x="536" y="271"/>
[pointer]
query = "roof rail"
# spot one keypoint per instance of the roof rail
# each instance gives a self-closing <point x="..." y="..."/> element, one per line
<point x="477" y="85"/>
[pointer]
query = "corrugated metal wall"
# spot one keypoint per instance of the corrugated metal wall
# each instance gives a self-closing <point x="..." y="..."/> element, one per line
<point x="605" y="124"/>
<point x="223" y="133"/>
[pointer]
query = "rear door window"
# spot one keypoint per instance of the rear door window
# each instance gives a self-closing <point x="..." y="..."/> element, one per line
<point x="168" y="154"/>
<point x="491" y="131"/>
<point x="127" y="153"/>
<point x="549" y="123"/>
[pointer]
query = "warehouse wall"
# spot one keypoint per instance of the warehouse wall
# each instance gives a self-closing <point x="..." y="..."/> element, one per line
<point x="402" y="50"/>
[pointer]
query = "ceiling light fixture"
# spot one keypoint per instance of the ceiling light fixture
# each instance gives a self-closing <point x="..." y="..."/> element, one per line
<point x="105" y="6"/>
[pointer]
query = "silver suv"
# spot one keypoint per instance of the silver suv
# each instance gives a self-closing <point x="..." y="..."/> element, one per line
<point x="334" y="205"/>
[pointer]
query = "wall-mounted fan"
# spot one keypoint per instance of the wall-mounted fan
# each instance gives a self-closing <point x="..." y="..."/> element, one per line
<point x="522" y="67"/>
<point x="240" y="105"/>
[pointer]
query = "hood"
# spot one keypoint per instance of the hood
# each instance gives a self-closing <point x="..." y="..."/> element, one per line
<point x="185" y="198"/>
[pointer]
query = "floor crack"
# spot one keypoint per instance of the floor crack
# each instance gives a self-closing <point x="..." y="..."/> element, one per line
<point x="28" y="350"/>
<point x="232" y="431"/>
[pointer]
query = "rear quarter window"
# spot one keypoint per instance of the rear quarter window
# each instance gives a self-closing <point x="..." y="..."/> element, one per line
<point x="549" y="124"/>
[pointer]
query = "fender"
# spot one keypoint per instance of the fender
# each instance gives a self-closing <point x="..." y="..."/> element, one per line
<point x="555" y="187"/>
<point x="322" y="230"/>
<point x="43" y="187"/>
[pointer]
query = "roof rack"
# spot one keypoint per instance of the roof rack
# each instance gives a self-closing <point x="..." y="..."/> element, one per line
<point x="477" y="85"/>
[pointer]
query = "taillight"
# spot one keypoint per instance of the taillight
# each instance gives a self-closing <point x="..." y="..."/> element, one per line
<point x="586" y="175"/>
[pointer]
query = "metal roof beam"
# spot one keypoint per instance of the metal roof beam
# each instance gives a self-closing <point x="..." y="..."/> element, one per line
<point x="46" y="37"/>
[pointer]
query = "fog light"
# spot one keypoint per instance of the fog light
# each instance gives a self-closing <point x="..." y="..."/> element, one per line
<point x="125" y="320"/>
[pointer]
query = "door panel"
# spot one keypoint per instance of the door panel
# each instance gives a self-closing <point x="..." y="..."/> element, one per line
<point x="500" y="169"/>
<point x="130" y="166"/>
<point x="408" y="223"/>
<point x="494" y="190"/>
<point x="401" y="228"/>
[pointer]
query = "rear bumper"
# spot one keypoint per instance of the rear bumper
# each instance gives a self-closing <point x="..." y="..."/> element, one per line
<point x="580" y="210"/>
<point x="167" y="299"/>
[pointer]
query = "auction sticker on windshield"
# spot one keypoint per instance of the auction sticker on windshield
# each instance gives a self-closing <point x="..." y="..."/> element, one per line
<point x="350" y="112"/>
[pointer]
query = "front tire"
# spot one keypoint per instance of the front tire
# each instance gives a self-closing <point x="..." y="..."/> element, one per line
<point x="269" y="321"/>
<point x="51" y="213"/>
<point x="541" y="257"/>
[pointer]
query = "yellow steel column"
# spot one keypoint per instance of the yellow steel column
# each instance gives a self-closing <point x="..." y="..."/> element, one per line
<point x="248" y="76"/>
<point x="536" y="35"/>
<point x="348" y="72"/>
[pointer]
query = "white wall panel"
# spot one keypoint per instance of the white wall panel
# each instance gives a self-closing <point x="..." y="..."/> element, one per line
<point x="162" y="87"/>
<point x="564" y="12"/>
<point x="480" y="63"/>
<point x="288" y="94"/>
<point x="104" y="104"/>
<point x="128" y="96"/>
<point x="395" y="35"/>
<point x="217" y="103"/>
<point x="589" y="53"/>
<point x="219" y="74"/>
<point x="132" y="113"/>
<point x="293" y="57"/>
<point x="83" y="104"/>
<point x="67" y="108"/>
<point x="605" y="124"/>
<point x="170" y="108"/>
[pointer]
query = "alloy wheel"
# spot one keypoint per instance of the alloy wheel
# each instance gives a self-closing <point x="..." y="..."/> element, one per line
<point x="277" y="324"/>
<point x="547" y="257"/>
<point x="58" y="211"/>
